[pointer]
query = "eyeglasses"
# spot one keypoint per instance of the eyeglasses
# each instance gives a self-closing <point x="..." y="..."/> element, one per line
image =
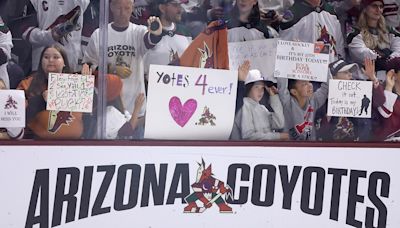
<point x="377" y="6"/>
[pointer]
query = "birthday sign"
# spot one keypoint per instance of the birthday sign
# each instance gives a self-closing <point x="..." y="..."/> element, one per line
<point x="12" y="108"/>
<point x="350" y="98"/>
<point x="190" y="103"/>
<point x="260" y="53"/>
<point x="302" y="61"/>
<point x="70" y="92"/>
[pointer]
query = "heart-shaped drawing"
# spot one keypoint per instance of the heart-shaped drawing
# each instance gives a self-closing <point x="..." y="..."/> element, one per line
<point x="182" y="114"/>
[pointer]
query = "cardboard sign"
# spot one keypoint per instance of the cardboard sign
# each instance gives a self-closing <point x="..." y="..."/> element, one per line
<point x="350" y="98"/>
<point x="70" y="92"/>
<point x="260" y="53"/>
<point x="12" y="106"/>
<point x="302" y="61"/>
<point x="190" y="103"/>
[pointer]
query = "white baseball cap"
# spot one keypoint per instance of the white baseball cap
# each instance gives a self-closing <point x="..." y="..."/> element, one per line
<point x="253" y="76"/>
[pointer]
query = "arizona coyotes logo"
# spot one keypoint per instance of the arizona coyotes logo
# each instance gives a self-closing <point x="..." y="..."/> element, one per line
<point x="206" y="58"/>
<point x="120" y="62"/>
<point x="207" y="117"/>
<point x="325" y="37"/>
<point x="208" y="190"/>
<point x="304" y="126"/>
<point x="344" y="129"/>
<point x="58" y="118"/>
<point x="10" y="103"/>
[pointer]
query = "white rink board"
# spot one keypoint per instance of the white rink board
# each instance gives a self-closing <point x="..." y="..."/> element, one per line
<point x="367" y="167"/>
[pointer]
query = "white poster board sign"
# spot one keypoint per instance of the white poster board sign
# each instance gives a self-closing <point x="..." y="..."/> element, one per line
<point x="302" y="61"/>
<point x="143" y="187"/>
<point x="70" y="92"/>
<point x="12" y="106"/>
<point x="260" y="53"/>
<point x="350" y="98"/>
<point x="190" y="103"/>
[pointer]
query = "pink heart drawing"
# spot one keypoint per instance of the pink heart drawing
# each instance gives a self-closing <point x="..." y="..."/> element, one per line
<point x="182" y="114"/>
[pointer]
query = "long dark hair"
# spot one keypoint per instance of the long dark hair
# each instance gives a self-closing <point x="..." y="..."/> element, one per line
<point x="39" y="80"/>
<point x="254" y="17"/>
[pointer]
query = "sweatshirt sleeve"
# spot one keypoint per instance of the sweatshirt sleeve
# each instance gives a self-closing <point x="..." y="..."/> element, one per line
<point x="378" y="96"/>
<point x="284" y="93"/>
<point x="359" y="51"/>
<point x="38" y="37"/>
<point x="321" y="95"/>
<point x="386" y="110"/>
<point x="240" y="94"/>
<point x="278" y="119"/>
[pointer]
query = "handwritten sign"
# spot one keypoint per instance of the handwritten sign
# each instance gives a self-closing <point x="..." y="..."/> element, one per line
<point x="350" y="98"/>
<point x="302" y="61"/>
<point x="190" y="103"/>
<point x="260" y="53"/>
<point x="70" y="92"/>
<point x="12" y="108"/>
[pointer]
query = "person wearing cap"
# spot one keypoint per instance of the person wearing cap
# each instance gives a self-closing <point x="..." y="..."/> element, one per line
<point x="389" y="121"/>
<point x="312" y="21"/>
<point x="350" y="128"/>
<point x="373" y="39"/>
<point x="127" y="44"/>
<point x="254" y="121"/>
<point x="119" y="122"/>
<point x="175" y="36"/>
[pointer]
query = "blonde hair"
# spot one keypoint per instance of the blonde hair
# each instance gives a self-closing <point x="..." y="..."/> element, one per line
<point x="370" y="41"/>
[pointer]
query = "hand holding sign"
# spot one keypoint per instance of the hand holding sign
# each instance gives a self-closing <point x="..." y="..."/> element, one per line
<point x="44" y="95"/>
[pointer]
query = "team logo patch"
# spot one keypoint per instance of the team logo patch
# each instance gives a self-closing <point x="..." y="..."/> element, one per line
<point x="58" y="118"/>
<point x="326" y="37"/>
<point x="207" y="191"/>
<point x="206" y="58"/>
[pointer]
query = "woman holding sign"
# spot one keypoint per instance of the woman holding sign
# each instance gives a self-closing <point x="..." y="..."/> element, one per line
<point x="44" y="123"/>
